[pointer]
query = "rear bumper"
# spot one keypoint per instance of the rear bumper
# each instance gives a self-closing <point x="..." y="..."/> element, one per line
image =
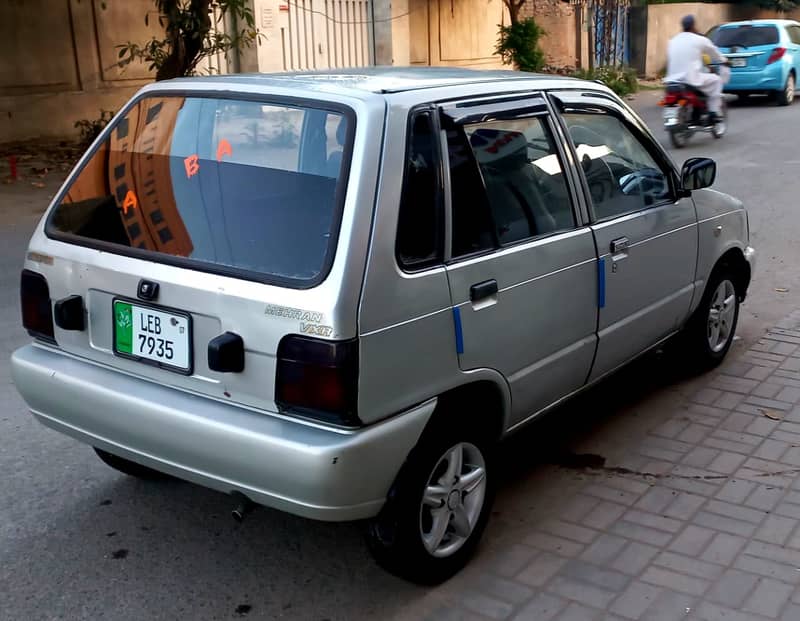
<point x="771" y="78"/>
<point x="292" y="466"/>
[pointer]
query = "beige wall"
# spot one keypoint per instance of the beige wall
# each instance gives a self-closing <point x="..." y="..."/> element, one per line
<point x="51" y="75"/>
<point x="464" y="32"/>
<point x="664" y="22"/>
<point x="58" y="57"/>
<point x="560" y="39"/>
<point x="453" y="32"/>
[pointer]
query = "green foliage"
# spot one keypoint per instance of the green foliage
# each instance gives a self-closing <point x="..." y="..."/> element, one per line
<point x="189" y="36"/>
<point x="778" y="5"/>
<point x="621" y="80"/>
<point x="91" y="128"/>
<point x="518" y="43"/>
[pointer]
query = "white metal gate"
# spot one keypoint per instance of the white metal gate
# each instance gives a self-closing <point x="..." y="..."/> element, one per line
<point x="326" y="34"/>
<point x="217" y="63"/>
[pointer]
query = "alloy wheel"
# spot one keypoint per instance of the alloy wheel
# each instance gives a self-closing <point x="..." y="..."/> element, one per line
<point x="453" y="500"/>
<point x="721" y="315"/>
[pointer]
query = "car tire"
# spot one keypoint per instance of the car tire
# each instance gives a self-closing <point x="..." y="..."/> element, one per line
<point x="416" y="536"/>
<point x="128" y="467"/>
<point x="709" y="334"/>
<point x="786" y="96"/>
<point x="677" y="138"/>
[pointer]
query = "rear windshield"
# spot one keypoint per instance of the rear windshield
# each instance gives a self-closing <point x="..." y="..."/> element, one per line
<point x="225" y="184"/>
<point x="745" y="36"/>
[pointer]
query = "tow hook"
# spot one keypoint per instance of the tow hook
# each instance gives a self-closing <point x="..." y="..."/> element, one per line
<point x="244" y="507"/>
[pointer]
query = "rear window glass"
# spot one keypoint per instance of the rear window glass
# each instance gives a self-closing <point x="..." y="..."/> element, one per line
<point x="232" y="184"/>
<point x="745" y="36"/>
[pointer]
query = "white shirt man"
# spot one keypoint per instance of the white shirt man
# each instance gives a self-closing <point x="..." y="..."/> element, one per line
<point x="685" y="63"/>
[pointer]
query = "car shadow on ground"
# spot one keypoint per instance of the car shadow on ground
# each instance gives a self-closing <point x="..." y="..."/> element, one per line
<point x="753" y="101"/>
<point x="551" y="438"/>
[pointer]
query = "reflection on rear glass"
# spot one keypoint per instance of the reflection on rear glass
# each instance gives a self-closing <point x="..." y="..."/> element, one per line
<point x="102" y="203"/>
<point x="237" y="184"/>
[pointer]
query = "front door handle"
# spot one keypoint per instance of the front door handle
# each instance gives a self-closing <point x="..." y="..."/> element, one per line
<point x="619" y="245"/>
<point x="483" y="290"/>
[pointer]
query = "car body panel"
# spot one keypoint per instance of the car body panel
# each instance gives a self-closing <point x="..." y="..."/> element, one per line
<point x="419" y="334"/>
<point x="544" y="355"/>
<point x="722" y="226"/>
<point x="639" y="307"/>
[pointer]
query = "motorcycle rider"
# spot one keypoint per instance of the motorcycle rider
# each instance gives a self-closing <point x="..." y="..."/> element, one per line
<point x="685" y="64"/>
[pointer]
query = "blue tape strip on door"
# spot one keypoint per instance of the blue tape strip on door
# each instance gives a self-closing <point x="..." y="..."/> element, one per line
<point x="459" y="331"/>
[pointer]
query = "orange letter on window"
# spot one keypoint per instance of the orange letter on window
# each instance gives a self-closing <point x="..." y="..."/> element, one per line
<point x="224" y="148"/>
<point x="130" y="201"/>
<point x="192" y="166"/>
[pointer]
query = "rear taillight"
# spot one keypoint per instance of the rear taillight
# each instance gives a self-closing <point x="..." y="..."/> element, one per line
<point x="37" y="311"/>
<point x="318" y="378"/>
<point x="776" y="55"/>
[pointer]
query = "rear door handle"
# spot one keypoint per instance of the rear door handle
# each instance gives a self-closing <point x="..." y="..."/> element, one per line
<point x="483" y="290"/>
<point x="619" y="245"/>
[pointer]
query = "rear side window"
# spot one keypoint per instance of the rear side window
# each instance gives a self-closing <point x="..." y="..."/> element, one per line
<point x="473" y="229"/>
<point x="227" y="184"/>
<point x="745" y="36"/>
<point x="419" y="228"/>
<point x="524" y="180"/>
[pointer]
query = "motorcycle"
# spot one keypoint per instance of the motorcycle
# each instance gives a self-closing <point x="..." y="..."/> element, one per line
<point x="686" y="112"/>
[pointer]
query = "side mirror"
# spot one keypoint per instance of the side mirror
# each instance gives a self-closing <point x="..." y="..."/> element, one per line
<point x="698" y="173"/>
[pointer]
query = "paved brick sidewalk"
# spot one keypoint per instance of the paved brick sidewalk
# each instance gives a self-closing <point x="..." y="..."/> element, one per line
<point x="699" y="520"/>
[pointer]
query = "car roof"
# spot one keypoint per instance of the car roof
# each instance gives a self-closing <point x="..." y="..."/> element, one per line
<point x="376" y="80"/>
<point x="760" y="22"/>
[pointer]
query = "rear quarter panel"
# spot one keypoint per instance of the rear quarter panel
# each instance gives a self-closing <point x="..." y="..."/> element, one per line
<point x="407" y="343"/>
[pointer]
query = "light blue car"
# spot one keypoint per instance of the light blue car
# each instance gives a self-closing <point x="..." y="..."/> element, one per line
<point x="764" y="56"/>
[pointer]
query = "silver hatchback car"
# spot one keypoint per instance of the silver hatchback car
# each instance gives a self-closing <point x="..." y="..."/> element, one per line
<point x="334" y="293"/>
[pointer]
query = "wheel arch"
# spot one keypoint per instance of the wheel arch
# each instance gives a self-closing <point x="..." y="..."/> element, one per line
<point x="733" y="260"/>
<point x="485" y="403"/>
<point x="485" y="394"/>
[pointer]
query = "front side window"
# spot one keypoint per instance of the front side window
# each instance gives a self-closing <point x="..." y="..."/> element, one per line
<point x="473" y="230"/>
<point x="233" y="184"/>
<point x="621" y="174"/>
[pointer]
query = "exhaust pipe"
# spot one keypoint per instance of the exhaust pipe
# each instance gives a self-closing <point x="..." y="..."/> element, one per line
<point x="244" y="507"/>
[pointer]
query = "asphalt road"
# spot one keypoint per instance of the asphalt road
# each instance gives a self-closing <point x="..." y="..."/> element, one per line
<point x="79" y="541"/>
